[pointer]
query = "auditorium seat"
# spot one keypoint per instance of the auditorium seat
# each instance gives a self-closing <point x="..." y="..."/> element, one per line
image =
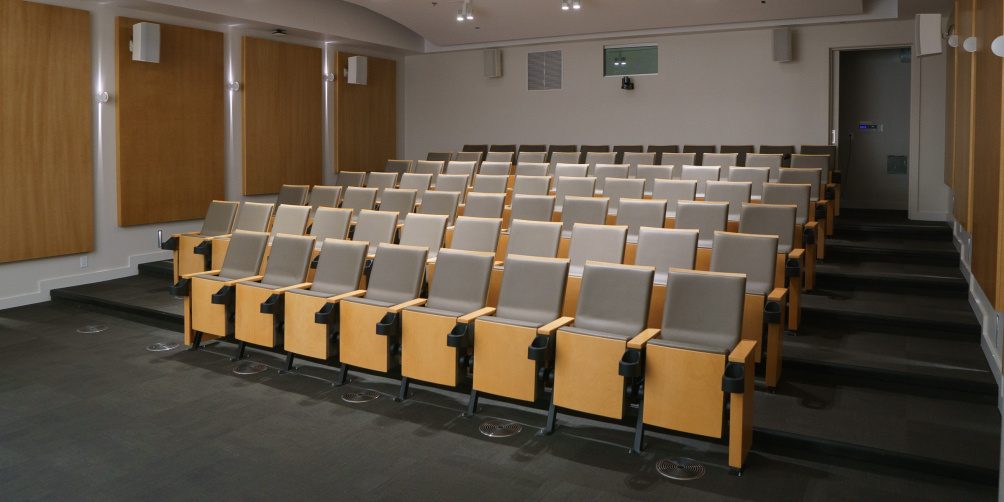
<point x="435" y="168"/>
<point x="381" y="181"/>
<point x="476" y="234"/>
<point x="502" y="149"/>
<point x="638" y="213"/>
<point x="741" y="152"/>
<point x="444" y="203"/>
<point x="312" y="314"/>
<point x="193" y="252"/>
<point x="438" y="337"/>
<point x="677" y="161"/>
<point x="660" y="150"/>
<point x="734" y="193"/>
<point x="375" y="228"/>
<point x="552" y="149"/>
<point x="531" y="169"/>
<point x="531" y="185"/>
<point x="755" y="176"/>
<point x="635" y="159"/>
<point x="650" y="173"/>
<point x="474" y="157"/>
<point x="346" y="179"/>
<point x="259" y="303"/>
<point x="289" y="220"/>
<point x="499" y="157"/>
<point x="702" y="175"/>
<point x="575" y="187"/>
<point x="370" y="324"/>
<point x="465" y="168"/>
<point x="699" y="151"/>
<point x="617" y="189"/>
<point x="664" y="249"/>
<point x="622" y="150"/>
<point x="771" y="161"/>
<point x="828" y="190"/>
<point x="321" y="196"/>
<point x="254" y="217"/>
<point x="805" y="230"/>
<point x="588" y="210"/>
<point x="293" y="195"/>
<point x="585" y="150"/>
<point x="767" y="219"/>
<point x="696" y="357"/>
<point x="400" y="201"/>
<point x="818" y="208"/>
<point x="443" y="157"/>
<point x="570" y="171"/>
<point x="484" y="205"/>
<point x="706" y="217"/>
<point x="494" y="169"/>
<point x="563" y="158"/>
<point x="357" y="199"/>
<point x="721" y="160"/>
<point x="597" y="243"/>
<point x="530" y="208"/>
<point x="476" y="148"/>
<point x="533" y="149"/>
<point x="592" y="159"/>
<point x="420" y="183"/>
<point x="604" y="171"/>
<point x="453" y="183"/>
<point x="329" y="223"/>
<point x="786" y="152"/>
<point x="426" y="231"/>
<point x="530" y="157"/>
<point x="673" y="191"/>
<point x="485" y="183"/>
<point x="398" y="166"/>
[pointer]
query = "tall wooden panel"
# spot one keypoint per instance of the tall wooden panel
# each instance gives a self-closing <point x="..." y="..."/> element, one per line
<point x="987" y="150"/>
<point x="169" y="128"/>
<point x="283" y="113"/>
<point x="46" y="202"/>
<point x="951" y="75"/>
<point x="366" y="124"/>
<point x="966" y="66"/>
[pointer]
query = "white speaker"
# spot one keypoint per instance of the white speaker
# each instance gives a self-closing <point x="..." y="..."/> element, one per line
<point x="145" y="43"/>
<point x="493" y="63"/>
<point x="357" y="70"/>
<point x="782" y="45"/>
<point x="927" y="35"/>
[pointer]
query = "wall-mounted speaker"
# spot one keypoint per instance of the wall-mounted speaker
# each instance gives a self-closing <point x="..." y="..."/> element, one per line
<point x="927" y="35"/>
<point x="782" y="45"/>
<point x="357" y="70"/>
<point x="493" y="63"/>
<point x="145" y="44"/>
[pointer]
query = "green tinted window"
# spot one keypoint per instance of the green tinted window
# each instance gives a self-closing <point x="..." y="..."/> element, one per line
<point x="633" y="60"/>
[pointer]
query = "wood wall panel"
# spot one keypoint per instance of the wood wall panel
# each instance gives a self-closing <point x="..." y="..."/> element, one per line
<point x="169" y="125"/>
<point x="965" y="62"/>
<point x="951" y="75"/>
<point x="46" y="189"/>
<point x="366" y="116"/>
<point x="283" y="113"/>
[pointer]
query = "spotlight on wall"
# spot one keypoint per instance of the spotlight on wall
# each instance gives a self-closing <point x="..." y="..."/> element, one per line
<point x="101" y="97"/>
<point x="329" y="77"/>
<point x="278" y="33"/>
<point x="576" y="5"/>
<point x="627" y="84"/>
<point x="566" y="4"/>
<point x="460" y="14"/>
<point x="953" y="40"/>
<point x="970" y="44"/>
<point x="998" y="46"/>
<point x="234" y="86"/>
<point x="470" y="10"/>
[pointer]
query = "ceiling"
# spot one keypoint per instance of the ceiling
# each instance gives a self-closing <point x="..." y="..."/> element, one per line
<point x="510" y="20"/>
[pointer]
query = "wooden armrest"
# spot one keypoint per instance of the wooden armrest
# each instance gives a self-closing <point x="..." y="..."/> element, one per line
<point x="179" y="235"/>
<point x="474" y="315"/>
<point x="254" y="278"/>
<point x="352" y="294"/>
<point x="798" y="254"/>
<point x="743" y="352"/>
<point x="499" y="263"/>
<point x="639" y="341"/>
<point x="224" y="236"/>
<point x="778" y="295"/>
<point x="189" y="276"/>
<point x="811" y="224"/>
<point x="553" y="326"/>
<point x="417" y="302"/>
<point x="304" y="285"/>
<point x="400" y="226"/>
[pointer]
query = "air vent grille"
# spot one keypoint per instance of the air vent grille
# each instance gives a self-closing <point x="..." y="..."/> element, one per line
<point x="543" y="71"/>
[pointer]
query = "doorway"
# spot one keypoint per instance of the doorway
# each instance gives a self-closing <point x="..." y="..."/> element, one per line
<point x="872" y="108"/>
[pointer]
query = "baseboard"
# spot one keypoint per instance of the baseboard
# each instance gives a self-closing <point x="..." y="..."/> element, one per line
<point x="46" y="285"/>
<point x="928" y="216"/>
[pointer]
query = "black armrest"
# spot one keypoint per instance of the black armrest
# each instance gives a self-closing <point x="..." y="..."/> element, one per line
<point x="459" y="336"/>
<point x="830" y="193"/>
<point x="734" y="379"/>
<point x="540" y="349"/>
<point x="835" y="176"/>
<point x="272" y="305"/>
<point x="313" y="263"/>
<point x="772" y="312"/>
<point x="631" y="364"/>
<point x="388" y="326"/>
<point x="182" y="288"/>
<point x="223" y="296"/>
<point x="170" y="244"/>
<point x="327" y="314"/>
<point x="792" y="267"/>
<point x="808" y="236"/>
<point x="820" y="212"/>
<point x="205" y="248"/>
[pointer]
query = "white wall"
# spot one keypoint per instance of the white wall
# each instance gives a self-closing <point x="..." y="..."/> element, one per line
<point x="119" y="250"/>
<point x="712" y="88"/>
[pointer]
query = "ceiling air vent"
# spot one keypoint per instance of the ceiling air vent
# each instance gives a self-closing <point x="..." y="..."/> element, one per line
<point x="543" y="71"/>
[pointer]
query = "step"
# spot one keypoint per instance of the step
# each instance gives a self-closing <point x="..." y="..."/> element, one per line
<point x="949" y="317"/>
<point x="140" y="298"/>
<point x="163" y="268"/>
<point x="890" y="249"/>
<point x="890" y="223"/>
<point x="892" y="277"/>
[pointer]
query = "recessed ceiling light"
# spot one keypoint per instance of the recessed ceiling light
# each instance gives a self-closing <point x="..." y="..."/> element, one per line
<point x="565" y="4"/>
<point x="576" y="5"/>
<point x="278" y="33"/>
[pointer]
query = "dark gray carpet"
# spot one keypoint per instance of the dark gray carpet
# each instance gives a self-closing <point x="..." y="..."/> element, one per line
<point x="98" y="417"/>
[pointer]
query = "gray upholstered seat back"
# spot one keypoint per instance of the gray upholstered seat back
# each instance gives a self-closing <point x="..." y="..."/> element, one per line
<point x="806" y="161"/>
<point x="660" y="150"/>
<point x="324" y="197"/>
<point x="588" y="210"/>
<point x="339" y="267"/>
<point x="443" y="157"/>
<point x="468" y="157"/>
<point x="599" y="243"/>
<point x="534" y="238"/>
<point x="476" y="234"/>
<point x="253" y="217"/>
<point x="347" y="179"/>
<point x="381" y="181"/>
<point x="635" y="159"/>
<point x="458" y="167"/>
<point x="397" y="273"/>
<point x="486" y="183"/>
<point x="721" y="160"/>
<point x="532" y="207"/>
<point x="433" y="167"/>
<point x="533" y="289"/>
<point x="756" y="176"/>
<point x="570" y="170"/>
<point x="531" y="157"/>
<point x="734" y="192"/>
<point x="499" y="157"/>
<point x="617" y="189"/>
<point x="532" y="168"/>
<point x="531" y="185"/>
<point x="741" y="152"/>
<point x="293" y="195"/>
<point x="444" y="203"/>
<point x="650" y="173"/>
<point x="609" y="171"/>
<point x="753" y="255"/>
<point x="623" y="150"/>
<point x="702" y="175"/>
<point x="417" y="182"/>
<point x="771" y="161"/>
<point x="375" y="227"/>
<point x="461" y="281"/>
<point x="244" y="255"/>
<point x="575" y="187"/>
<point x="614" y="298"/>
<point x="802" y="177"/>
<point x="706" y="217"/>
<point x="704" y="309"/>
<point x="768" y="219"/>
<point x="666" y="248"/>
<point x="494" y="169"/>
<point x="398" y="166"/>
<point x="290" y="220"/>
<point x="789" y="195"/>
<point x="829" y="150"/>
<point x="288" y="260"/>
<point x="330" y="224"/>
<point x="453" y="183"/>
<point x="673" y="191"/>
<point x="700" y="151"/>
<point x="637" y="213"/>
<point x="678" y="160"/>
<point x="485" y="205"/>
<point x="219" y="218"/>
<point x="358" y="198"/>
<point x="595" y="158"/>
<point x="563" y="158"/>
<point x="425" y="230"/>
<point x="400" y="201"/>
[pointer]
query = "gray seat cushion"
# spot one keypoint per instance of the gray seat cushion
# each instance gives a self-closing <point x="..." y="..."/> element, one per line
<point x="366" y="301"/>
<point x="439" y="312"/>
<point x="511" y="322"/>
<point x="687" y="346"/>
<point x="601" y="334"/>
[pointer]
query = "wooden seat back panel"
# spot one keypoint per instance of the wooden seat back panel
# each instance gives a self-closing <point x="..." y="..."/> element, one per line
<point x="188" y="261"/>
<point x="501" y="365"/>
<point x="206" y="317"/>
<point x="359" y="345"/>
<point x="303" y="335"/>
<point x="251" y="325"/>
<point x="683" y="390"/>
<point x="424" y="353"/>
<point x="585" y="374"/>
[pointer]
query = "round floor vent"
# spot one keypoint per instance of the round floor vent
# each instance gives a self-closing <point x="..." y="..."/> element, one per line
<point x="97" y="328"/>
<point x="162" y="346"/>
<point x="500" y="428"/>
<point x="360" y="397"/>
<point x="680" y="468"/>
<point x="250" y="369"/>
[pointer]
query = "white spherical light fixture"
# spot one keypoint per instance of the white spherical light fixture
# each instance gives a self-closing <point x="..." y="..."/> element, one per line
<point x="953" y="40"/>
<point x="998" y="46"/>
<point x="970" y="44"/>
